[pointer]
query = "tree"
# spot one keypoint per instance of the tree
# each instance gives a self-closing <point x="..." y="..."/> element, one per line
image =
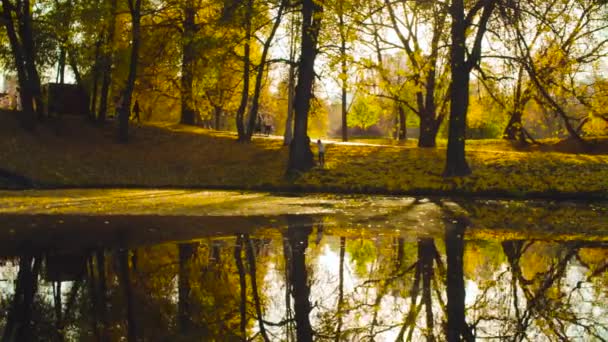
<point x="300" y="154"/>
<point x="425" y="72"/>
<point x="460" y="66"/>
<point x="240" y="113"/>
<point x="107" y="59"/>
<point x="255" y="100"/>
<point x="570" y="43"/>
<point x="343" y="19"/>
<point x="18" y="21"/>
<point x="189" y="30"/>
<point x="291" y="79"/>
<point x="135" y="10"/>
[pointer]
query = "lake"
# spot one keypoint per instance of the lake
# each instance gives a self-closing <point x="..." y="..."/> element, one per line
<point x="195" y="265"/>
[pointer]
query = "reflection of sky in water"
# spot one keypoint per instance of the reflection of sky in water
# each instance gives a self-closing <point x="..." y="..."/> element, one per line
<point x="573" y="303"/>
<point x="489" y="300"/>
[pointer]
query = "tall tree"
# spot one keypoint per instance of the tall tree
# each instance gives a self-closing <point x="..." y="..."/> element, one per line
<point x="189" y="30"/>
<point x="424" y="61"/>
<point x="298" y="232"/>
<point x="457" y="328"/>
<point x="107" y="60"/>
<point x="300" y="154"/>
<point x="461" y="66"/>
<point x="240" y="113"/>
<point x="135" y="10"/>
<point x="18" y="20"/>
<point x="255" y="100"/>
<point x="291" y="80"/>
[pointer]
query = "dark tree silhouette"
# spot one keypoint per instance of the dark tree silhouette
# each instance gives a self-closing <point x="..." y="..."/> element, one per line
<point x="300" y="154"/>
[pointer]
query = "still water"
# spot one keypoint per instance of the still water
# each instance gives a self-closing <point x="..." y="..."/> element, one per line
<point x="79" y="268"/>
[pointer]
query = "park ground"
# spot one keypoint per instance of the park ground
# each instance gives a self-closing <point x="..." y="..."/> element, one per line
<point x="70" y="153"/>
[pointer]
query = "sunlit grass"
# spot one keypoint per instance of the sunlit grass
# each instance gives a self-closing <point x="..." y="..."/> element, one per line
<point x="167" y="155"/>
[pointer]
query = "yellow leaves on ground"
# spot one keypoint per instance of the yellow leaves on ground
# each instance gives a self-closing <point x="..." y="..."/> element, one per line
<point x="183" y="156"/>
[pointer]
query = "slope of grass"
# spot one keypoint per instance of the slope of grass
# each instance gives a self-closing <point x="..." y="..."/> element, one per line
<point x="74" y="154"/>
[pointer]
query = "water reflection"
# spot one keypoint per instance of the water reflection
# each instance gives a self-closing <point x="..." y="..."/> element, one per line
<point x="304" y="282"/>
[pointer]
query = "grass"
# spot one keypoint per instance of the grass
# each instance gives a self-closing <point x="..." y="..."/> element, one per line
<point x="71" y="153"/>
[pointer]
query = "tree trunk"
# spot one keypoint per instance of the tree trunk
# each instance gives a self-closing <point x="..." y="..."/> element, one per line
<point x="240" y="113"/>
<point x="402" y="134"/>
<point x="61" y="66"/>
<point x="95" y="77"/>
<point x="57" y="305"/>
<point x="253" y="110"/>
<point x="343" y="70"/>
<point x="187" y="252"/>
<point x="456" y="164"/>
<point x="108" y="56"/>
<point x="125" y="113"/>
<point x="457" y="328"/>
<point x="426" y="252"/>
<point x="127" y="287"/>
<point x="188" y="61"/>
<point x="18" y="321"/>
<point x="428" y="130"/>
<point x="103" y="295"/>
<point x="217" y="110"/>
<point x="300" y="155"/>
<point x="513" y="131"/>
<point x="288" y="134"/>
<point x="27" y="39"/>
<point x="340" y="289"/>
<point x="238" y="249"/>
<point x="254" y="286"/>
<point x="28" y="116"/>
<point x="298" y="231"/>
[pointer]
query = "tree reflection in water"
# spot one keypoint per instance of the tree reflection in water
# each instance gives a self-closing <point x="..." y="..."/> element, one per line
<point x="273" y="285"/>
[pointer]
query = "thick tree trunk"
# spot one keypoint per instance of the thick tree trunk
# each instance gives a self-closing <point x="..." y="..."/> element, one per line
<point x="103" y="295"/>
<point x="457" y="328"/>
<point x="127" y="287"/>
<point x="187" y="252"/>
<point x="298" y="231"/>
<point x="188" y="61"/>
<point x="300" y="155"/>
<point x="217" y="115"/>
<point x="456" y="164"/>
<point x="107" y="58"/>
<point x="428" y="130"/>
<point x="28" y="117"/>
<point x="125" y="113"/>
<point x="513" y="131"/>
<point x="426" y="252"/>
<point x="27" y="39"/>
<point x="18" y="321"/>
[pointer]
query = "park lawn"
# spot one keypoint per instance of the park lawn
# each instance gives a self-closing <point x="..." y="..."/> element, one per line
<point x="75" y="154"/>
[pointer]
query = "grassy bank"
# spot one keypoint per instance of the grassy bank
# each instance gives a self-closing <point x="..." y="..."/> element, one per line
<point x="74" y="154"/>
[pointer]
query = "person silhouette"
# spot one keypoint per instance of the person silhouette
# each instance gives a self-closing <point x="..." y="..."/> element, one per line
<point x="136" y="111"/>
<point x="321" y="151"/>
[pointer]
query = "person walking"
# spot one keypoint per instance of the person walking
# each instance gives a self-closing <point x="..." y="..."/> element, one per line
<point x="136" y="111"/>
<point x="321" y="152"/>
